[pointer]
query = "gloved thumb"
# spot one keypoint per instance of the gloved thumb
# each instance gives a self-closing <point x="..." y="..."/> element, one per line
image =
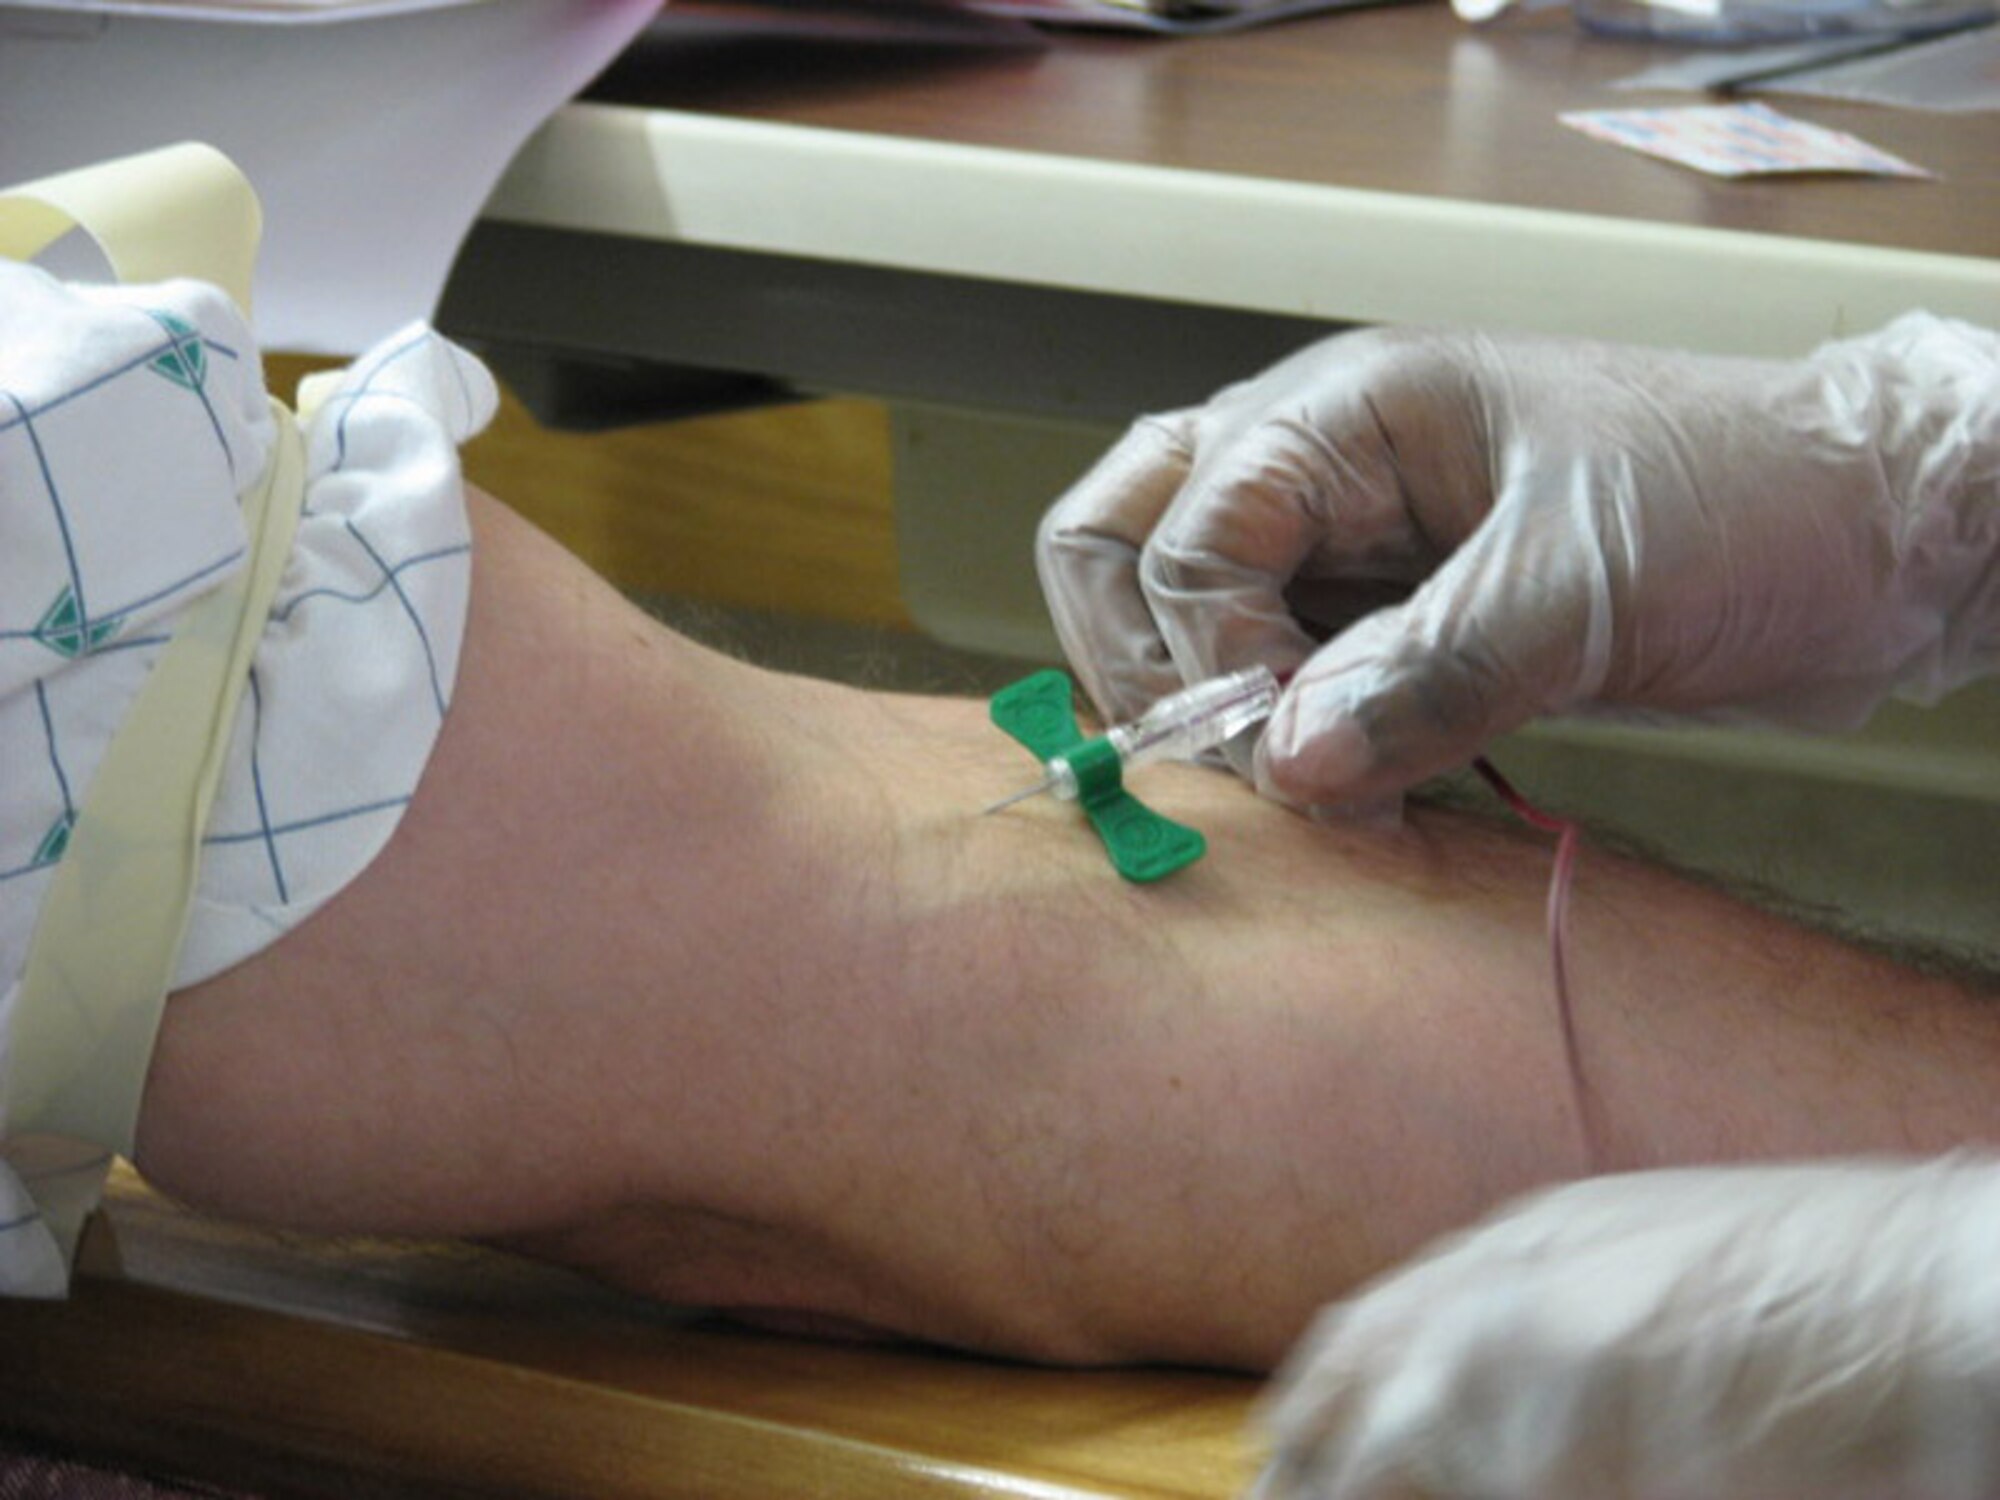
<point x="1511" y="627"/>
<point x="1370" y="716"/>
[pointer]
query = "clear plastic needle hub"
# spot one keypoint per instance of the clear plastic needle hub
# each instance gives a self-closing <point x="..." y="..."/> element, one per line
<point x="1180" y="726"/>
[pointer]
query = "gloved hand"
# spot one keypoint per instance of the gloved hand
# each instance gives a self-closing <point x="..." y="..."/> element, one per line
<point x="1738" y="1333"/>
<point x="1784" y="542"/>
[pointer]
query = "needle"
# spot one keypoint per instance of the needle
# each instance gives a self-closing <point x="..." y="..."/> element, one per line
<point x="1047" y="783"/>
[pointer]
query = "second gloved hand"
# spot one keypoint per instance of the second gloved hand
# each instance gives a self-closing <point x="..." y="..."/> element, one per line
<point x="1822" y="1332"/>
<point x="1553" y="525"/>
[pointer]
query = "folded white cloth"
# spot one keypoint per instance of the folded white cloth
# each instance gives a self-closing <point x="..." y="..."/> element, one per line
<point x="131" y="419"/>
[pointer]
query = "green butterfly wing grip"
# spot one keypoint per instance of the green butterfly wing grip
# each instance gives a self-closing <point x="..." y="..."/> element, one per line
<point x="1037" y="712"/>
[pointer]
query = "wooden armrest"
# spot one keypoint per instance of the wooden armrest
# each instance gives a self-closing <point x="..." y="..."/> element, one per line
<point x="308" y="1367"/>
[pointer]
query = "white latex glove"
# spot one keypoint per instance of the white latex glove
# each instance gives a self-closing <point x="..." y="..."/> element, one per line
<point x="1784" y="542"/>
<point x="1824" y="1332"/>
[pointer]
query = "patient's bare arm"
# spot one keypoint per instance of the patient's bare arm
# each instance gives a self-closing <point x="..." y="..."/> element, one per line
<point x="708" y="980"/>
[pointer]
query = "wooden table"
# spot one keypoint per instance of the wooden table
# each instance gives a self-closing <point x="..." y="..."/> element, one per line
<point x="297" y="1367"/>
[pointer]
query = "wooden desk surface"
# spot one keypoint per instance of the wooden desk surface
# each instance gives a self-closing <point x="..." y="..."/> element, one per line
<point x="306" y="1368"/>
<point x="1401" y="99"/>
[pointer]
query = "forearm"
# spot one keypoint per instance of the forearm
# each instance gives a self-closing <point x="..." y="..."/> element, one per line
<point x="709" y="980"/>
<point x="1321" y="1048"/>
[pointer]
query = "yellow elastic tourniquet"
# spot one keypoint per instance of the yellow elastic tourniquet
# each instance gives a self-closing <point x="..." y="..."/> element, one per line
<point x="104" y="950"/>
<point x="180" y="211"/>
<point x="110" y="932"/>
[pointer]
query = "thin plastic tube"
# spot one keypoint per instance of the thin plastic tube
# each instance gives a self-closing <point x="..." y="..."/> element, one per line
<point x="1561" y="878"/>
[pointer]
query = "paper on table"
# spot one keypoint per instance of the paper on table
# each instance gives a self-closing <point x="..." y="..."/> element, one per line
<point x="373" y="143"/>
<point x="1738" y="140"/>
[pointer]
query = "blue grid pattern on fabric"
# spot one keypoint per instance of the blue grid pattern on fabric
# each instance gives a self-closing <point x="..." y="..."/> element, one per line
<point x="70" y="627"/>
<point x="388" y="578"/>
<point x="182" y="358"/>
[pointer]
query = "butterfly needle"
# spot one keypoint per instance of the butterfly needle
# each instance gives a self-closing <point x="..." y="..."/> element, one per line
<point x="1178" y="727"/>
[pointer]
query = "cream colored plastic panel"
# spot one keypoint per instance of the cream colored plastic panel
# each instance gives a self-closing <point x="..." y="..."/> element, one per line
<point x="970" y="489"/>
<point x="1257" y="244"/>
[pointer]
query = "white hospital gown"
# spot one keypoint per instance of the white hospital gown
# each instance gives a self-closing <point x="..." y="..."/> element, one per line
<point x="131" y="419"/>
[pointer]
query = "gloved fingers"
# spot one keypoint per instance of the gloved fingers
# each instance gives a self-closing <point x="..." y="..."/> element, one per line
<point x="1517" y="623"/>
<point x="1377" y="1404"/>
<point x="1317" y="1391"/>
<point x="1451" y="1377"/>
<point x="1314" y="1415"/>
<point x="1378" y="711"/>
<point x="1733" y="1332"/>
<point x="1087" y="552"/>
<point x="1299" y="506"/>
<point x="1324" y="1413"/>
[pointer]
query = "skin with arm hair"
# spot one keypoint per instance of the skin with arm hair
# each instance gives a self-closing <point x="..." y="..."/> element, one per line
<point x="709" y="980"/>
